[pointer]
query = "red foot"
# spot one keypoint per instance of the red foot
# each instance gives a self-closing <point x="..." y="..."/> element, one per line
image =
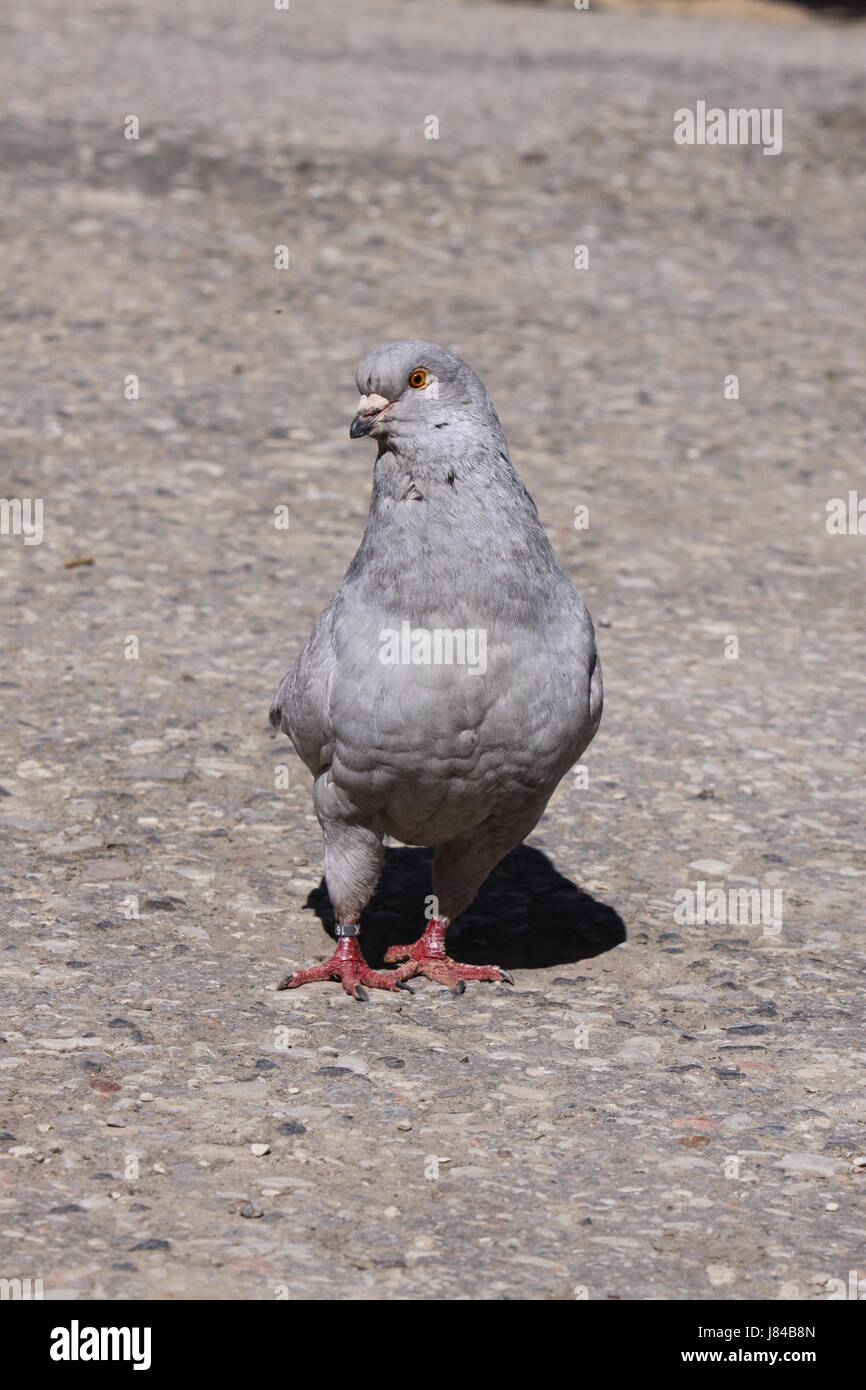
<point x="348" y="965"/>
<point x="426" y="956"/>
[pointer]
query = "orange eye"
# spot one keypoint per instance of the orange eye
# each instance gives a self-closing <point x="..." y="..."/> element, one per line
<point x="419" y="378"/>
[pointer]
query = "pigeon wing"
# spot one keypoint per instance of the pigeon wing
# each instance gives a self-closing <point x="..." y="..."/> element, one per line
<point x="301" y="705"/>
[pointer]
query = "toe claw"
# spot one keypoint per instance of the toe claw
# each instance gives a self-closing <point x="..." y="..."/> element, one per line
<point x="361" y="994"/>
<point x="401" y="984"/>
<point x="460" y="987"/>
<point x="506" y="976"/>
<point x="285" y="982"/>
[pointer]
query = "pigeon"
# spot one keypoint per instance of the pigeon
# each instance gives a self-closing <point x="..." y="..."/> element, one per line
<point x="453" y="678"/>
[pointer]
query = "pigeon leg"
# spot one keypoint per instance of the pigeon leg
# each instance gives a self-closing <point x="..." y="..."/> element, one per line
<point x="426" y="956"/>
<point x="347" y="965"/>
<point x="353" y="859"/>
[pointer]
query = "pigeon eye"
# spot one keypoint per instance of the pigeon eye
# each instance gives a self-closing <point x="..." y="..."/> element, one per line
<point x="419" y="378"/>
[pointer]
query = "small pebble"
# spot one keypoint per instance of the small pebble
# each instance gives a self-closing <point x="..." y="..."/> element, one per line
<point x="259" y="1150"/>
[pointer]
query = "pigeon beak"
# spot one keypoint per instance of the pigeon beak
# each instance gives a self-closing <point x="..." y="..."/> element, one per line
<point x="369" y="410"/>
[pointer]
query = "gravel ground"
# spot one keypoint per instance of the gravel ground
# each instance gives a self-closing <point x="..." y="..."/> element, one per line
<point x="658" y="1109"/>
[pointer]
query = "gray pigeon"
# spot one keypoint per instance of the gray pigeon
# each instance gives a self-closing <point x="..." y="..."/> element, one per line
<point x="452" y="679"/>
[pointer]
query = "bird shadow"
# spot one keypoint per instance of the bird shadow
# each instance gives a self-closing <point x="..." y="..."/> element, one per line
<point x="527" y="915"/>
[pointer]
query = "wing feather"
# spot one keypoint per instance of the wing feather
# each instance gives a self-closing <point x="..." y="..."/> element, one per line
<point x="301" y="705"/>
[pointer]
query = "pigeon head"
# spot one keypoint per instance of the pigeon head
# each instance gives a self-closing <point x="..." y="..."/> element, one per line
<point x="417" y="395"/>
